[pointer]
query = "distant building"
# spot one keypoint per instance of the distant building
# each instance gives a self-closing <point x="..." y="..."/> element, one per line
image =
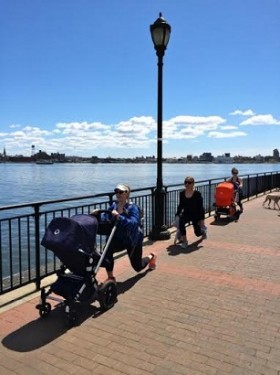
<point x="258" y="158"/>
<point x="41" y="155"/>
<point x="58" y="157"/>
<point x="225" y="159"/>
<point x="3" y="157"/>
<point x="206" y="157"/>
<point x="276" y="155"/>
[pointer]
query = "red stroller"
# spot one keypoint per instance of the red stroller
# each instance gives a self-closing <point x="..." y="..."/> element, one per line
<point x="225" y="200"/>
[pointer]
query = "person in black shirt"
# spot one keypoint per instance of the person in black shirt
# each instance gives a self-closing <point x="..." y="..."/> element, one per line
<point x="190" y="209"/>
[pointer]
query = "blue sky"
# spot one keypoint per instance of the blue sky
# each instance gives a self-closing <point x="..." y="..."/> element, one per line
<point x="80" y="77"/>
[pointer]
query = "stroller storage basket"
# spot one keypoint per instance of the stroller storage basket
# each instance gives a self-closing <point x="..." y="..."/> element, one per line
<point x="68" y="286"/>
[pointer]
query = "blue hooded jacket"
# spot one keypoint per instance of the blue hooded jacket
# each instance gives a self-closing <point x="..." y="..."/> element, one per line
<point x="129" y="231"/>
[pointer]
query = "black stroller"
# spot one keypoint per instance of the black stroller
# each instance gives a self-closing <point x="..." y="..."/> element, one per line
<point x="73" y="241"/>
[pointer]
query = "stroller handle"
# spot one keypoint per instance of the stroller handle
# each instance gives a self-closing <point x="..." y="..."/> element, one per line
<point x="113" y="226"/>
<point x="111" y="220"/>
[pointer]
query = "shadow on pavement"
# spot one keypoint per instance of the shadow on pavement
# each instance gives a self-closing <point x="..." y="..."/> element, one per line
<point x="222" y="222"/>
<point x="174" y="250"/>
<point x="42" y="331"/>
<point x="270" y="208"/>
<point x="225" y="220"/>
<point x="129" y="283"/>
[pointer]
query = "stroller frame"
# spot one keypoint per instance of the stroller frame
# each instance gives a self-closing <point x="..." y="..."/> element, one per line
<point x="83" y="288"/>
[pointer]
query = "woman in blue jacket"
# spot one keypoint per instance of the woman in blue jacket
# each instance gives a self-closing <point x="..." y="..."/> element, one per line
<point x="128" y="234"/>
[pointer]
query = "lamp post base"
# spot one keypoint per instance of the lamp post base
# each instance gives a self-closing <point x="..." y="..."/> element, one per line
<point x="159" y="233"/>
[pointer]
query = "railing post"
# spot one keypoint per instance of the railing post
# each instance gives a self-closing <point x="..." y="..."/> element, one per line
<point x="209" y="197"/>
<point x="257" y="185"/>
<point x="248" y="188"/>
<point x="37" y="245"/>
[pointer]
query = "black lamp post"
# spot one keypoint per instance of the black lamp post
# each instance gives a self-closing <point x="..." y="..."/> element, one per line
<point x="160" y="32"/>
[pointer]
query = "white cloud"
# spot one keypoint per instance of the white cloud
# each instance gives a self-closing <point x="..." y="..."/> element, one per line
<point x="226" y="135"/>
<point x="141" y="121"/>
<point x="80" y="127"/>
<point x="30" y="131"/>
<point x="248" y="112"/>
<point x="189" y="127"/>
<point x="138" y="127"/>
<point x="207" y="121"/>
<point x="261" y="120"/>
<point x="3" y="134"/>
<point x="136" y="132"/>
<point x="229" y="127"/>
<point x="125" y="138"/>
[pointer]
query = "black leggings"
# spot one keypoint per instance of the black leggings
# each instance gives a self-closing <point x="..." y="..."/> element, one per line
<point x="182" y="226"/>
<point x="135" y="256"/>
<point x="240" y="196"/>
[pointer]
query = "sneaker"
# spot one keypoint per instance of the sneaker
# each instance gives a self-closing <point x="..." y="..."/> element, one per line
<point x="152" y="262"/>
<point x="204" y="234"/>
<point x="184" y="244"/>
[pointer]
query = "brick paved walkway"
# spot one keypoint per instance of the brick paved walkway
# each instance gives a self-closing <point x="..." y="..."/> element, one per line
<point x="211" y="309"/>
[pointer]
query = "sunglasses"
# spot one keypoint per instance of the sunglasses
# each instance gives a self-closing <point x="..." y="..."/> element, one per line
<point x="234" y="173"/>
<point x="189" y="182"/>
<point x="117" y="191"/>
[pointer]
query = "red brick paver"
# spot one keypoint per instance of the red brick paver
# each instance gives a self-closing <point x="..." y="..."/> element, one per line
<point x="211" y="309"/>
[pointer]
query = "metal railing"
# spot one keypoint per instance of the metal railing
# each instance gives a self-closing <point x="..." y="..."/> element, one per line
<point x="22" y="258"/>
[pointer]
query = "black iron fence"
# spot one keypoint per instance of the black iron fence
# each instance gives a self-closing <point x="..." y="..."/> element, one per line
<point x="22" y="258"/>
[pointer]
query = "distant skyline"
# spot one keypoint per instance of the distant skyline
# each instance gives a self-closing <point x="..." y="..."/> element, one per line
<point x="80" y="78"/>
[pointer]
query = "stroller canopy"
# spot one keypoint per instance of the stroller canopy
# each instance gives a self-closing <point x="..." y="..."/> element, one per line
<point x="69" y="238"/>
<point x="224" y="194"/>
<point x="89" y="225"/>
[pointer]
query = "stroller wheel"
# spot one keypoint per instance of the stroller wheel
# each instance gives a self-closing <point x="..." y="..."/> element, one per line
<point x="71" y="314"/>
<point x="107" y="295"/>
<point x="44" y="310"/>
<point x="72" y="318"/>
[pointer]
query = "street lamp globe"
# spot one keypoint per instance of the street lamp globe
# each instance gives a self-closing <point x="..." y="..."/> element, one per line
<point x="160" y="32"/>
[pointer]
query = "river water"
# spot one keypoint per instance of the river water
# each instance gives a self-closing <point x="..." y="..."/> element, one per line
<point x="28" y="182"/>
